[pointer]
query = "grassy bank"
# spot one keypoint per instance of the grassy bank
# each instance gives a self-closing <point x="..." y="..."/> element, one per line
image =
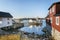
<point x="10" y="37"/>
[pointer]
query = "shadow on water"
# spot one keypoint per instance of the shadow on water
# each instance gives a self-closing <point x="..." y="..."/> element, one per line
<point x="48" y="25"/>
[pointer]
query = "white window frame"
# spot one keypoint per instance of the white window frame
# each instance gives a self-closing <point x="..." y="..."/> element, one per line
<point x="51" y="19"/>
<point x="57" y="20"/>
<point x="50" y="11"/>
<point x="53" y="9"/>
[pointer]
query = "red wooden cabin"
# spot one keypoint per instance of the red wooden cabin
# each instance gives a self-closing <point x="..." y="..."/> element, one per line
<point x="54" y="15"/>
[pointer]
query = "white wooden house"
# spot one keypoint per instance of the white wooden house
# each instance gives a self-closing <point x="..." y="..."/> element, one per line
<point x="5" y="19"/>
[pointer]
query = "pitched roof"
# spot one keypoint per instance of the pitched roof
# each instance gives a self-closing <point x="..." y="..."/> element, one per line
<point x="54" y="4"/>
<point x="5" y="14"/>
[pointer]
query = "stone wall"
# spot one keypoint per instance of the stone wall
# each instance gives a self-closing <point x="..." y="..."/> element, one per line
<point x="55" y="34"/>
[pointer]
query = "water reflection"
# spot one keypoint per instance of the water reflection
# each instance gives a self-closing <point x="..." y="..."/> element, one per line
<point x="34" y="29"/>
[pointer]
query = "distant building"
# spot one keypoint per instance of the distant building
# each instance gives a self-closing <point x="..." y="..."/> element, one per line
<point x="28" y="21"/>
<point x="54" y="18"/>
<point x="5" y="19"/>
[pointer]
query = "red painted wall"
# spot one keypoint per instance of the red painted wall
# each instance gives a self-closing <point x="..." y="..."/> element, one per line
<point x="57" y="10"/>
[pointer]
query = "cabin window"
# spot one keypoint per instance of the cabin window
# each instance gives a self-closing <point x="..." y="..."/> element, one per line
<point x="51" y="19"/>
<point x="0" y="20"/>
<point x="57" y="20"/>
<point x="7" y="18"/>
<point x="8" y="22"/>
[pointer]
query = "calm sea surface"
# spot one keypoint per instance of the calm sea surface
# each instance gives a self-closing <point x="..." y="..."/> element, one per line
<point x="35" y="29"/>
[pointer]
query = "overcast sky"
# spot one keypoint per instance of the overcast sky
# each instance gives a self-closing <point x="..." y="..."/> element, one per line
<point x="26" y="8"/>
